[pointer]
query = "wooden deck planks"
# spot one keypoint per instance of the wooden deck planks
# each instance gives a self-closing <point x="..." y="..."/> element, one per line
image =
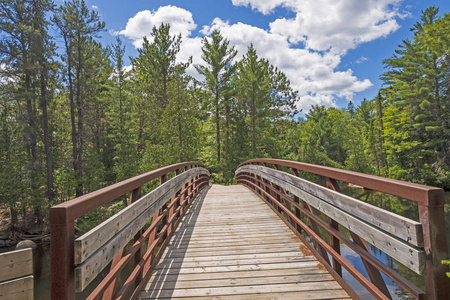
<point x="230" y="245"/>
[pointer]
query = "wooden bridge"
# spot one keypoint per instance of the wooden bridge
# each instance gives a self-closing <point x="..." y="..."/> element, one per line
<point x="275" y="235"/>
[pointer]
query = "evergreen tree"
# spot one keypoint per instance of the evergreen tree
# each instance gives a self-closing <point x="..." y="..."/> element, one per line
<point x="26" y="52"/>
<point x="166" y="109"/>
<point x="266" y="95"/>
<point x="78" y="25"/>
<point x="415" y="84"/>
<point x="218" y="70"/>
<point x="121" y="125"/>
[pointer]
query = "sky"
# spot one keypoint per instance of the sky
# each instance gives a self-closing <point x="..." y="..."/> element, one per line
<point x="331" y="50"/>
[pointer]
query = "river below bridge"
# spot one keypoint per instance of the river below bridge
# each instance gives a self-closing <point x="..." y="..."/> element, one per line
<point x="42" y="256"/>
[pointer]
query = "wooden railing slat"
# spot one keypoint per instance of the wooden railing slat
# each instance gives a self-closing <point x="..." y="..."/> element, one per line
<point x="16" y="264"/>
<point x="131" y="220"/>
<point x="21" y="288"/>
<point x="91" y="241"/>
<point x="403" y="228"/>
<point x="410" y="256"/>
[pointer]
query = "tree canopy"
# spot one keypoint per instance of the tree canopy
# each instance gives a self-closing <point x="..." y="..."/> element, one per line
<point x="77" y="119"/>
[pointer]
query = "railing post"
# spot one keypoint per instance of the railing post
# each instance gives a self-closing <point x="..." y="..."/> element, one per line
<point x="432" y="217"/>
<point x="184" y="195"/>
<point x="62" y="255"/>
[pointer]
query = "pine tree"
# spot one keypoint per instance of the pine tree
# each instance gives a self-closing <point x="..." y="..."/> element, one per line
<point x="78" y="25"/>
<point x="26" y="52"/>
<point x="218" y="70"/>
<point x="166" y="109"/>
<point x="266" y="95"/>
<point x="415" y="84"/>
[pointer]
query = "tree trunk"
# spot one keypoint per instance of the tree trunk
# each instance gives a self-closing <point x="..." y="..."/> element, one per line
<point x="254" y="125"/>
<point x="164" y="91"/>
<point x="32" y="148"/>
<point x="14" y="218"/>
<point x="227" y="120"/>
<point x="72" y="106"/>
<point x="79" y="188"/>
<point x="48" y="152"/>
<point x="380" y="118"/>
<point x="217" y="126"/>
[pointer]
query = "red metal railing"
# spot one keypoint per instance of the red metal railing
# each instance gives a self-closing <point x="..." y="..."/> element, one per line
<point x="155" y="238"/>
<point x="292" y="209"/>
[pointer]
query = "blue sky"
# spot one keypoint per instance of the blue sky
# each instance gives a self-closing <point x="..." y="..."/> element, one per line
<point x="331" y="51"/>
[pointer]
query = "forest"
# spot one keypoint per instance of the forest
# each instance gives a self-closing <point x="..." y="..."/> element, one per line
<point x="74" y="118"/>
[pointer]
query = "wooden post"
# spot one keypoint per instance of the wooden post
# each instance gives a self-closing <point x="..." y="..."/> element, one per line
<point x="432" y="217"/>
<point x="62" y="255"/>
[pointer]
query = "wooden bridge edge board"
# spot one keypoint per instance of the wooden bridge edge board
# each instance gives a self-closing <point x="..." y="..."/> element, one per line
<point x="91" y="241"/>
<point x="86" y="272"/>
<point x="16" y="274"/>
<point x="396" y="248"/>
<point x="15" y="264"/>
<point x="403" y="228"/>
<point x="20" y="288"/>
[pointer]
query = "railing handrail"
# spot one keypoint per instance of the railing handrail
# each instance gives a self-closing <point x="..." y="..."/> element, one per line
<point x="77" y="207"/>
<point x="419" y="193"/>
<point x="282" y="198"/>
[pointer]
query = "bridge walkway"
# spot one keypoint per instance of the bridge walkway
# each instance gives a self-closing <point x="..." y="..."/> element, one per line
<point x="231" y="245"/>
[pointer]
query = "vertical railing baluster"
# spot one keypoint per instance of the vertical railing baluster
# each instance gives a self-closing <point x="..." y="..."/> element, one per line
<point x="135" y="195"/>
<point x="109" y="292"/>
<point x="312" y="223"/>
<point x="163" y="208"/>
<point x="374" y="273"/>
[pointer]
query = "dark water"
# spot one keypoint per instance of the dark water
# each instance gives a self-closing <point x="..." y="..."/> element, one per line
<point x="42" y="272"/>
<point x="42" y="256"/>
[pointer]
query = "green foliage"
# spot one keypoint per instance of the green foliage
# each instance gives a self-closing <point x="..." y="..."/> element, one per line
<point x="77" y="121"/>
<point x="446" y="262"/>
<point x="265" y="96"/>
<point x="168" y="111"/>
<point x="218" y="71"/>
<point x="417" y="131"/>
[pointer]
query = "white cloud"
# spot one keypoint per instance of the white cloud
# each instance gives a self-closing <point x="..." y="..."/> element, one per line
<point x="361" y="60"/>
<point x="94" y="7"/>
<point x="191" y="47"/>
<point x="312" y="69"/>
<point x="142" y="23"/>
<point x="329" y="24"/>
<point x="7" y="74"/>
<point x="264" y="6"/>
<point x="312" y="73"/>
